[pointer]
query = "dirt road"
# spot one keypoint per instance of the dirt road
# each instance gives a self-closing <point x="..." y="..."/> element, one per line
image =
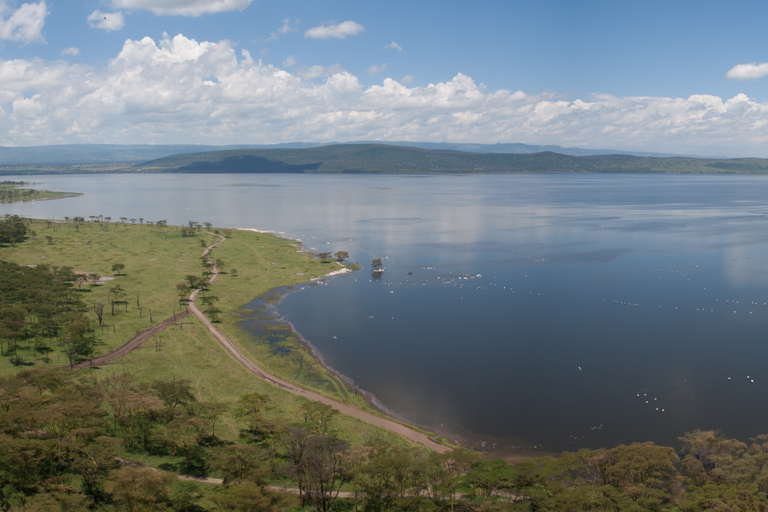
<point x="251" y="366"/>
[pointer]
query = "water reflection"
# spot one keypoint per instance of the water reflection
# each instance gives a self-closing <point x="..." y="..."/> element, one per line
<point x="528" y="311"/>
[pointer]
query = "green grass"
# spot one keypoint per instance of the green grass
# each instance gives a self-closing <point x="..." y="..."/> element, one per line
<point x="156" y="259"/>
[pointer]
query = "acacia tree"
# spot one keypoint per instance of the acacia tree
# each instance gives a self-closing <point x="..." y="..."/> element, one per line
<point x="239" y="463"/>
<point x="181" y="289"/>
<point x="326" y="469"/>
<point x="318" y="416"/>
<point x="173" y="392"/>
<point x="136" y="489"/>
<point x="211" y="307"/>
<point x="341" y="255"/>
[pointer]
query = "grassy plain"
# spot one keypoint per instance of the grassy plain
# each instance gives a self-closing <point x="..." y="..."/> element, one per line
<point x="156" y="259"/>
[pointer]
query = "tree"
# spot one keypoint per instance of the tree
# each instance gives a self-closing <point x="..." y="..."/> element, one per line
<point x="173" y="392"/>
<point x="388" y="474"/>
<point x="247" y="497"/>
<point x="239" y="463"/>
<point x="341" y="255"/>
<point x="92" y="459"/>
<point x="318" y="416"/>
<point x="12" y="229"/>
<point x="324" y="256"/>
<point x="99" y="309"/>
<point x="326" y="469"/>
<point x="181" y="289"/>
<point x="135" y="489"/>
<point x="117" y="268"/>
<point x="209" y="413"/>
<point x="193" y="281"/>
<point x="377" y="264"/>
<point x="250" y="408"/>
<point x="211" y="307"/>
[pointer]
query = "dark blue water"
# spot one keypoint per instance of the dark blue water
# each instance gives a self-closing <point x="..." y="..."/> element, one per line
<point x="553" y="312"/>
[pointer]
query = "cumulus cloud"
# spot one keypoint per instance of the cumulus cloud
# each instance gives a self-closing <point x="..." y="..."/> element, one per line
<point x="748" y="71"/>
<point x="339" y="31"/>
<point x="24" y="24"/>
<point x="178" y="90"/>
<point x="407" y="79"/>
<point x="72" y="50"/>
<point x="108" y="21"/>
<point x="394" y="46"/>
<point x="183" y="7"/>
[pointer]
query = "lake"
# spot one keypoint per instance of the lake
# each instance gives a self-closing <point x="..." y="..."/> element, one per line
<point x="519" y="313"/>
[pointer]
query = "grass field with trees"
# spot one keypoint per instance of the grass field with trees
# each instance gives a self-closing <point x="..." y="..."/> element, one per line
<point x="115" y="437"/>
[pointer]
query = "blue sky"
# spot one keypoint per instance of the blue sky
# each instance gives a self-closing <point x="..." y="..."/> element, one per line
<point x="684" y="77"/>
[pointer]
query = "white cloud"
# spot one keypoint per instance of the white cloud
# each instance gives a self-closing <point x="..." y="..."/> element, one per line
<point x="407" y="79"/>
<point x="748" y="71"/>
<point x="178" y="90"/>
<point x="288" y="25"/>
<point x="316" y="71"/>
<point x="289" y="61"/>
<point x="376" y="69"/>
<point x="339" y="31"/>
<point x="108" y="21"/>
<point x="183" y="7"/>
<point x="72" y="50"/>
<point x="394" y="46"/>
<point x="24" y="24"/>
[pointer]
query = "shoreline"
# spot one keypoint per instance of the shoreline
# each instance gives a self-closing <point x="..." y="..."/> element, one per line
<point x="270" y="308"/>
<point x="269" y="303"/>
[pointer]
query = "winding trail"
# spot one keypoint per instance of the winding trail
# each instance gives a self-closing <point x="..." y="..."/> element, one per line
<point x="248" y="364"/>
<point x="251" y="366"/>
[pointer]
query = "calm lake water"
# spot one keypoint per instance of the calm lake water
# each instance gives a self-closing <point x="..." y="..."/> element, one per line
<point x="539" y="313"/>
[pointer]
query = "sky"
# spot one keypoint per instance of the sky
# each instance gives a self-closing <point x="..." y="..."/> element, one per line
<point x="681" y="77"/>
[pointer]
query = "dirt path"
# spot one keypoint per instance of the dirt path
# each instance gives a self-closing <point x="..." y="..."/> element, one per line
<point x="132" y="344"/>
<point x="245" y="361"/>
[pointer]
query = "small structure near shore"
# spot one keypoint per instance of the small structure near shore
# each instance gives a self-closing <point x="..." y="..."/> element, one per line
<point x="377" y="266"/>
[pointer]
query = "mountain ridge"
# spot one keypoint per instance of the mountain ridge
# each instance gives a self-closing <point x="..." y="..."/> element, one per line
<point x="79" y="154"/>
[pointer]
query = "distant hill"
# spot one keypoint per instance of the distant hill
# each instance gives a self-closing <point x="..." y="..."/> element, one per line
<point x="80" y="154"/>
<point x="351" y="158"/>
<point x="380" y="158"/>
